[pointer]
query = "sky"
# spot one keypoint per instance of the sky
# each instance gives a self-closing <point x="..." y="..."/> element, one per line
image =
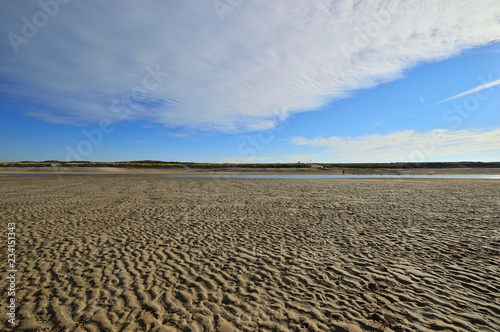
<point x="250" y="81"/>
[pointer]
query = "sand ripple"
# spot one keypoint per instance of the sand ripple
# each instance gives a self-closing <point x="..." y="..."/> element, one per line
<point x="167" y="254"/>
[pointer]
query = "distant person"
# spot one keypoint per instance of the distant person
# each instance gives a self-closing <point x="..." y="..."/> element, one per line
<point x="343" y="172"/>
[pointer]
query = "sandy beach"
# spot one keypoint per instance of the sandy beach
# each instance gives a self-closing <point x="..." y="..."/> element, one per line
<point x="179" y="254"/>
<point x="257" y="170"/>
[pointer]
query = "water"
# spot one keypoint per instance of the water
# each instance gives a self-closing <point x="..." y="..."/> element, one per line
<point x="267" y="176"/>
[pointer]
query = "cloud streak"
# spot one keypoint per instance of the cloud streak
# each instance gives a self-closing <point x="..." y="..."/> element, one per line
<point x="263" y="63"/>
<point x="476" y="89"/>
<point x="301" y="157"/>
<point x="409" y="145"/>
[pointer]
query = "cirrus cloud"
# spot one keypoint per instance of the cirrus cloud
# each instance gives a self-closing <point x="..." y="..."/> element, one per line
<point x="264" y="62"/>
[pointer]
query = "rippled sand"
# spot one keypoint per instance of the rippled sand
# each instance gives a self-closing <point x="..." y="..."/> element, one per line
<point x="168" y="254"/>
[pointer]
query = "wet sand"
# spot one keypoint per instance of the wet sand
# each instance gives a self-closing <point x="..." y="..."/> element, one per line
<point x="235" y="170"/>
<point x="178" y="254"/>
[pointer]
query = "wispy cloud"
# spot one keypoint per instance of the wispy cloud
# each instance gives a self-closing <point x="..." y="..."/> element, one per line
<point x="476" y="89"/>
<point x="302" y="157"/>
<point x="265" y="61"/>
<point x="377" y="124"/>
<point x="241" y="160"/>
<point x="177" y="135"/>
<point x="405" y="145"/>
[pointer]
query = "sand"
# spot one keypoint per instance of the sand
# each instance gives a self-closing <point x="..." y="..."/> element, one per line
<point x="177" y="254"/>
<point x="234" y="170"/>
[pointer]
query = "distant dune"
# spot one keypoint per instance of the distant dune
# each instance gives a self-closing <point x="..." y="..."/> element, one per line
<point x="160" y="167"/>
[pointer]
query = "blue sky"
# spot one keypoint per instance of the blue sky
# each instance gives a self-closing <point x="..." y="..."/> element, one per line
<point x="250" y="81"/>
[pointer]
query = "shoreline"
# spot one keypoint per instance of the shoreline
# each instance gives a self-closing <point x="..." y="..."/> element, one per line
<point x="262" y="171"/>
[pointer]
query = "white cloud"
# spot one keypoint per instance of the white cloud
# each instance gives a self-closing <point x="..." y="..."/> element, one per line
<point x="241" y="160"/>
<point x="410" y="145"/>
<point x="301" y="157"/>
<point x="177" y="135"/>
<point x="476" y="89"/>
<point x="264" y="62"/>
<point x="377" y="124"/>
